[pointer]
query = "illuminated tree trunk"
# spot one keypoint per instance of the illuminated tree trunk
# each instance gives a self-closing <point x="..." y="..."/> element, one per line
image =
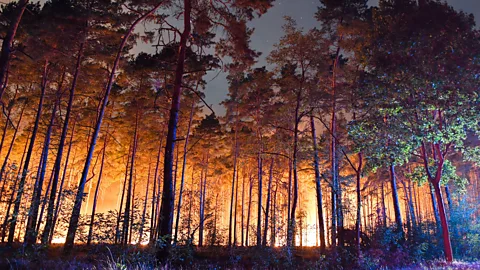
<point x="12" y="195"/>
<point x="118" y="236"/>
<point x="156" y="195"/>
<point x="97" y="189"/>
<point x="243" y="213"/>
<point x="318" y="185"/>
<point x="140" y="237"/>
<point x="384" y="208"/>
<point x="249" y="210"/>
<point x="396" y="203"/>
<point x="184" y="166"/>
<point x="166" y="210"/>
<point x="9" y="151"/>
<point x="235" y="213"/>
<point x="58" y="204"/>
<point x="7" y="43"/>
<point x="73" y="224"/>
<point x="128" y="203"/>
<point x="235" y="151"/>
<point x="291" y="229"/>
<point x="203" y="187"/>
<point x="259" y="208"/>
<point x="267" y="207"/>
<point x="58" y="160"/>
<point x="21" y="186"/>
<point x="358" y="172"/>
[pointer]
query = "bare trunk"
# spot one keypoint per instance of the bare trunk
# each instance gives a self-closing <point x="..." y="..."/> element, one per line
<point x="318" y="185"/>
<point x="129" y="202"/>
<point x="184" y="166"/>
<point x="140" y="237"/>
<point x="267" y="207"/>
<point x="166" y="210"/>
<point x="97" y="189"/>
<point x="235" y="151"/>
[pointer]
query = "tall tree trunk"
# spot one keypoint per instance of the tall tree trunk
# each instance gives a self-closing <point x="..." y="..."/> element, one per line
<point x="443" y="219"/>
<point x="140" y="234"/>
<point x="249" y="210"/>
<point x="73" y="224"/>
<point x="358" y="172"/>
<point x="267" y="207"/>
<point x="291" y="229"/>
<point x="243" y="213"/>
<point x="155" y="197"/>
<point x="129" y="203"/>
<point x="318" y="185"/>
<point x="119" y="236"/>
<point x="166" y="210"/>
<point x="235" y="214"/>
<point x="184" y="166"/>
<point x="384" y="208"/>
<point x="18" y="199"/>
<point x="58" y="160"/>
<point x="203" y="191"/>
<point x="31" y="232"/>
<point x="7" y="43"/>
<point x="9" y="151"/>
<point x="396" y="203"/>
<point x="58" y="204"/>
<point x="259" y="209"/>
<point x="97" y="189"/>
<point x="235" y="152"/>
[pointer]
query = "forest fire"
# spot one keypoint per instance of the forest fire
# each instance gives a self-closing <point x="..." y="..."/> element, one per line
<point x="352" y="142"/>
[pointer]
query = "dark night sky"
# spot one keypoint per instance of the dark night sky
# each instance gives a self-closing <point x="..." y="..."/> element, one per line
<point x="268" y="30"/>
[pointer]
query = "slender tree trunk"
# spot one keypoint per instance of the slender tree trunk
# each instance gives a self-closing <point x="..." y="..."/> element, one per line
<point x="235" y="152"/>
<point x="203" y="191"/>
<point x="7" y="156"/>
<point x="318" y="185"/>
<point x="267" y="207"/>
<point x="58" y="160"/>
<point x="166" y="210"/>
<point x="291" y="229"/>
<point x="155" y="197"/>
<point x="119" y="216"/>
<point x="396" y="203"/>
<point x="249" y="210"/>
<point x="18" y="199"/>
<point x="184" y="166"/>
<point x="443" y="219"/>
<point x="243" y="212"/>
<point x="97" y="189"/>
<point x="73" y="224"/>
<point x="384" y="208"/>
<point x="259" y="209"/>
<point x="58" y="204"/>
<point x="7" y="43"/>
<point x="129" y="203"/>
<point x="140" y="237"/>
<point x="31" y="232"/>
<point x="235" y="213"/>
<point x="358" y="171"/>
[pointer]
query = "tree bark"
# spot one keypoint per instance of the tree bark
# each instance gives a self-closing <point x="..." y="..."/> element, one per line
<point x="235" y="151"/>
<point x="396" y="203"/>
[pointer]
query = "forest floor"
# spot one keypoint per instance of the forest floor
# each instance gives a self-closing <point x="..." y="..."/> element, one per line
<point x="142" y="257"/>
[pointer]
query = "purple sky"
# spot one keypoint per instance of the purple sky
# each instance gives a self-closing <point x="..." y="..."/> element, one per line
<point x="268" y="30"/>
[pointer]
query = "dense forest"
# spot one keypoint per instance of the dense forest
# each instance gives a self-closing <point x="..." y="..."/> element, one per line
<point x="355" y="146"/>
